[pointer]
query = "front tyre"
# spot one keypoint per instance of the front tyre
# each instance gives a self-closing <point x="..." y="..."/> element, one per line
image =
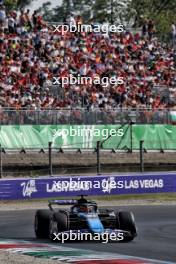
<point x="53" y="230"/>
<point x="58" y="223"/>
<point x="41" y="223"/>
<point x="127" y="223"/>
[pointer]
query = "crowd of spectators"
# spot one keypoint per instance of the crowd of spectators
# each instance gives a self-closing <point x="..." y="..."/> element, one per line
<point x="31" y="54"/>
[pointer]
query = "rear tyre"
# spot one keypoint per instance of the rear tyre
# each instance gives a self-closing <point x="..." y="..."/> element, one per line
<point x="127" y="223"/>
<point x="41" y="225"/>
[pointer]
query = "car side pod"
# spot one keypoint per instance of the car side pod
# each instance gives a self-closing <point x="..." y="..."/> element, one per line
<point x="93" y="221"/>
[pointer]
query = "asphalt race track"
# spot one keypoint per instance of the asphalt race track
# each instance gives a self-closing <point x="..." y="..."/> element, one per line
<point x="156" y="232"/>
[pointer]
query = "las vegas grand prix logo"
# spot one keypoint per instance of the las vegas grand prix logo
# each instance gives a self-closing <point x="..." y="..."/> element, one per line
<point x="28" y="187"/>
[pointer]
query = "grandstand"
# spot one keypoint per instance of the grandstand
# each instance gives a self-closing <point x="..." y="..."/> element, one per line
<point x="32" y="54"/>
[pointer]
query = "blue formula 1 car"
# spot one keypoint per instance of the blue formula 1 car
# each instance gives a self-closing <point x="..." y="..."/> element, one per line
<point x="83" y="216"/>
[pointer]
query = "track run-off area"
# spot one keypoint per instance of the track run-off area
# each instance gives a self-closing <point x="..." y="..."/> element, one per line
<point x="156" y="239"/>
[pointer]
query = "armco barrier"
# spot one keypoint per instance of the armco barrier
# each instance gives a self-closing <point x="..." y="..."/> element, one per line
<point x="14" y="189"/>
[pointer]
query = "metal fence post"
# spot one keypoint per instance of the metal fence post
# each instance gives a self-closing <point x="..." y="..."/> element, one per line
<point x="98" y="158"/>
<point x="131" y="137"/>
<point x="50" y="158"/>
<point x="141" y="156"/>
<point x="0" y="161"/>
<point x="112" y="12"/>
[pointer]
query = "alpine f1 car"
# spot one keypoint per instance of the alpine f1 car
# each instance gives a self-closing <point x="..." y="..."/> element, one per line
<point x="83" y="216"/>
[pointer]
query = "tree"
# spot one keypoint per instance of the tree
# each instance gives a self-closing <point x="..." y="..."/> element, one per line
<point x="17" y="4"/>
<point x="128" y="12"/>
<point x="163" y="12"/>
<point x="46" y="11"/>
<point x="78" y="7"/>
<point x="98" y="10"/>
<point x="59" y="13"/>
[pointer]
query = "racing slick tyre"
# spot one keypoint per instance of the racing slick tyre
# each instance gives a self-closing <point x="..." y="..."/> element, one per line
<point x="58" y="224"/>
<point x="127" y="223"/>
<point x="41" y="225"/>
